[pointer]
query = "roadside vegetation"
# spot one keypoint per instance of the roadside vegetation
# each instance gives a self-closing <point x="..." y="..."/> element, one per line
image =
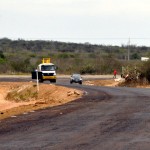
<point x="21" y="57"/>
<point x="23" y="93"/>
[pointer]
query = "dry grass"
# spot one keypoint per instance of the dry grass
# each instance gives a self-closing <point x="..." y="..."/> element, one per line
<point x="23" y="93"/>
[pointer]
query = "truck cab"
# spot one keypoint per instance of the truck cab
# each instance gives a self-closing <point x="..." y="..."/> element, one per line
<point x="47" y="71"/>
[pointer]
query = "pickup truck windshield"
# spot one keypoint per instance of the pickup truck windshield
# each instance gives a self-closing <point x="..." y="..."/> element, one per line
<point x="47" y="68"/>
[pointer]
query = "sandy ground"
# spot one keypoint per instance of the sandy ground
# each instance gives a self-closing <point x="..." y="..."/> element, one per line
<point x="22" y="97"/>
<point x="108" y="82"/>
<point x="100" y="83"/>
<point x="116" y="82"/>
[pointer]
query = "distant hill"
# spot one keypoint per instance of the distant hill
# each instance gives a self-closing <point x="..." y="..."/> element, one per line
<point x="40" y="45"/>
<point x="23" y="56"/>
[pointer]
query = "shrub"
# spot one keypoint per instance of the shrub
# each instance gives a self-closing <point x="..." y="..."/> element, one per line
<point x="89" y="69"/>
<point x="145" y="71"/>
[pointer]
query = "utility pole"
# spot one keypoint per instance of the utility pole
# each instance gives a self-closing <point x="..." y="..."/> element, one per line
<point x="129" y="49"/>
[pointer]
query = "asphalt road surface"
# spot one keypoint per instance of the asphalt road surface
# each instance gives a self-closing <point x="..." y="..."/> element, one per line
<point x="105" y="118"/>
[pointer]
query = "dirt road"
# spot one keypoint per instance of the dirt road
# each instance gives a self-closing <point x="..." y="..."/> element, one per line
<point x="104" y="118"/>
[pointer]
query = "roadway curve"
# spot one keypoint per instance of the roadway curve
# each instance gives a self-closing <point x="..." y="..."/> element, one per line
<point x="104" y="118"/>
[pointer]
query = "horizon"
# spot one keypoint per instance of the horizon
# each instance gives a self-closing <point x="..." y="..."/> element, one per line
<point x="111" y="22"/>
<point x="127" y="43"/>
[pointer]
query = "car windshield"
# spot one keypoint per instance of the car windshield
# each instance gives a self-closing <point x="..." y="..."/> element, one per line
<point x="47" y="68"/>
<point x="76" y="75"/>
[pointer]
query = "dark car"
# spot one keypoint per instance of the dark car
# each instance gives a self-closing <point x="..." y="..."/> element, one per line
<point x="76" y="78"/>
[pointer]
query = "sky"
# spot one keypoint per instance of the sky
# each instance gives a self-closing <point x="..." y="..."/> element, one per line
<point x="108" y="22"/>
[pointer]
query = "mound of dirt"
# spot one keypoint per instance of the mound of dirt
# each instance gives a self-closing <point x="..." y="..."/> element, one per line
<point x="108" y="82"/>
<point x="22" y="97"/>
<point x="116" y="82"/>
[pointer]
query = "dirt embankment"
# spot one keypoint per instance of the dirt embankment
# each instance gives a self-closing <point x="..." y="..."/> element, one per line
<point x="17" y="98"/>
<point x="117" y="82"/>
<point x="108" y="82"/>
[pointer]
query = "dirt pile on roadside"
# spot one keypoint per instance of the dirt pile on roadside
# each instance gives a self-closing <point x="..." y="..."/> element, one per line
<point x="116" y="82"/>
<point x="21" y="97"/>
<point x="108" y="82"/>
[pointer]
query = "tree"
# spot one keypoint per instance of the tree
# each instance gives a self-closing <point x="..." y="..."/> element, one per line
<point x="135" y="56"/>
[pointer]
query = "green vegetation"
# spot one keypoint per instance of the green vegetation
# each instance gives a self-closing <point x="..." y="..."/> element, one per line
<point x="145" y="71"/>
<point x="20" y="56"/>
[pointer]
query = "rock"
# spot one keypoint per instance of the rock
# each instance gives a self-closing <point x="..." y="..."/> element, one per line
<point x="69" y="93"/>
<point x="76" y="92"/>
<point x="119" y="80"/>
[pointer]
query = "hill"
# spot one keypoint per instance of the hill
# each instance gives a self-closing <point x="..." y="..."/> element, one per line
<point x="21" y="56"/>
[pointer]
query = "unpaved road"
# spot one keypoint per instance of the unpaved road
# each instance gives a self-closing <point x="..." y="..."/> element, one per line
<point x="104" y="118"/>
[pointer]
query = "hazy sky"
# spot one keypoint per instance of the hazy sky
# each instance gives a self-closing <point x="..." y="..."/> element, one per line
<point x="94" y="21"/>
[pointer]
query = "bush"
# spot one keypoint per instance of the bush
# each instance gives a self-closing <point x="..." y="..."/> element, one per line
<point x="89" y="69"/>
<point x="145" y="71"/>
